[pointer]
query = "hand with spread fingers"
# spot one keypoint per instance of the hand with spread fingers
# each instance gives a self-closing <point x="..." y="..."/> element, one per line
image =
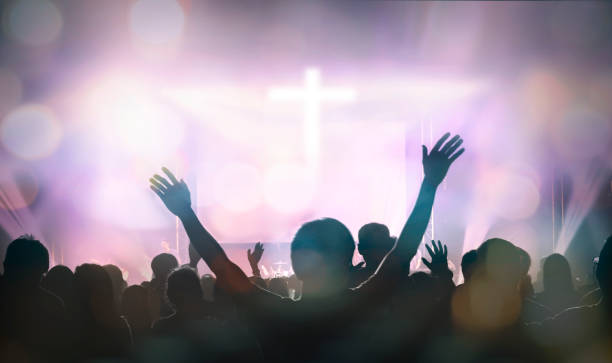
<point x="439" y="258"/>
<point x="440" y="158"/>
<point x="172" y="192"/>
<point x="255" y="256"/>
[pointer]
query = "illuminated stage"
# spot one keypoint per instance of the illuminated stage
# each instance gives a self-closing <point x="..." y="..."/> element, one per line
<point x="321" y="111"/>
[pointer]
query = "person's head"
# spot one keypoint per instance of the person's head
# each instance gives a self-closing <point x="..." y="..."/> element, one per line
<point x="117" y="281"/>
<point x="468" y="262"/>
<point x="500" y="262"/>
<point x="25" y="261"/>
<point x="603" y="271"/>
<point x="183" y="288"/>
<point x="374" y="243"/>
<point x="135" y="307"/>
<point x="321" y="255"/>
<point x="556" y="273"/>
<point x="162" y="264"/>
<point x="278" y="285"/>
<point x="94" y="292"/>
<point x="60" y="281"/>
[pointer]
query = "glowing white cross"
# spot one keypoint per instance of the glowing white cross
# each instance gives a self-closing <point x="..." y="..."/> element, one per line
<point x="312" y="95"/>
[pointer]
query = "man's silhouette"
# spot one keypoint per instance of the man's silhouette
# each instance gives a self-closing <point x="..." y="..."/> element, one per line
<point x="34" y="323"/>
<point x="322" y="324"/>
<point x="374" y="244"/>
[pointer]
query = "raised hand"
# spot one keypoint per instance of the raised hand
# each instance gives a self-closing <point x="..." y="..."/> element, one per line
<point x="255" y="256"/>
<point x="440" y="158"/>
<point x="439" y="258"/>
<point x="173" y="193"/>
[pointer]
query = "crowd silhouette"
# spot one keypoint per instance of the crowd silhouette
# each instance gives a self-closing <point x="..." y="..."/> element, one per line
<point x="329" y="311"/>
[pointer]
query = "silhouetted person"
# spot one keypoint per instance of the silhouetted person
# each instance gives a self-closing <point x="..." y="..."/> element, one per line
<point x="531" y="310"/>
<point x="135" y="308"/>
<point x="374" y="244"/>
<point x="468" y="262"/>
<point x="60" y="281"/>
<point x="33" y="320"/>
<point x="119" y="284"/>
<point x="486" y="310"/>
<point x="101" y="331"/>
<point x="185" y="295"/>
<point x="193" y="328"/>
<point x="583" y="333"/>
<point x="320" y="326"/>
<point x="559" y="293"/>
<point x="161" y="265"/>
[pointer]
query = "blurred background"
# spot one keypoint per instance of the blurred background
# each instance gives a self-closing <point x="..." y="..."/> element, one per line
<point x="278" y="112"/>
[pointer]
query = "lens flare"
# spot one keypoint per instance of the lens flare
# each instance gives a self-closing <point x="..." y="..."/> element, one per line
<point x="31" y="132"/>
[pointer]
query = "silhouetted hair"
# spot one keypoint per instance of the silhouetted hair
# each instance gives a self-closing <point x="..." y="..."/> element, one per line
<point x="183" y="285"/>
<point x="26" y="257"/>
<point x="60" y="281"/>
<point x="468" y="262"/>
<point x="557" y="273"/>
<point x="95" y="293"/>
<point x="321" y="242"/>
<point x="162" y="264"/>
<point x="500" y="260"/>
<point x="135" y="308"/>
<point x="374" y="235"/>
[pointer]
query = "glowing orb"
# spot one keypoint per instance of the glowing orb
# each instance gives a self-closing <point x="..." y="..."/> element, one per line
<point x="33" y="22"/>
<point x="31" y="132"/>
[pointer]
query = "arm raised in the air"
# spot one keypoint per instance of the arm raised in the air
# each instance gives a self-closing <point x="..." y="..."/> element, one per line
<point x="177" y="199"/>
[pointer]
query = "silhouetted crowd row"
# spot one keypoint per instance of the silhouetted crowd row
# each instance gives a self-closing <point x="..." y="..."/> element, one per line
<point x="328" y="311"/>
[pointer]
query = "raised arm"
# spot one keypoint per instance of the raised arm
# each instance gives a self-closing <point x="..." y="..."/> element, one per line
<point x="435" y="166"/>
<point x="254" y="258"/>
<point x="177" y="199"/>
<point x="396" y="263"/>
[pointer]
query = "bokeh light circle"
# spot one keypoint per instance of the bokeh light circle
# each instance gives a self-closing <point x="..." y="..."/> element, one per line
<point x="31" y="132"/>
<point x="33" y="22"/>
<point x="289" y="188"/>
<point x="157" y="22"/>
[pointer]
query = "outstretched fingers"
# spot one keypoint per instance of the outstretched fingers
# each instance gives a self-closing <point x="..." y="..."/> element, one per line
<point x="157" y="191"/>
<point x="171" y="176"/>
<point x="162" y="180"/>
<point x="158" y="185"/>
<point x="456" y="155"/>
<point x="449" y="144"/>
<point x="440" y="142"/>
<point x="451" y="149"/>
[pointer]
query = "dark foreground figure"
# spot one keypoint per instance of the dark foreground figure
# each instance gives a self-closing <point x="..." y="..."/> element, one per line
<point x="379" y="311"/>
